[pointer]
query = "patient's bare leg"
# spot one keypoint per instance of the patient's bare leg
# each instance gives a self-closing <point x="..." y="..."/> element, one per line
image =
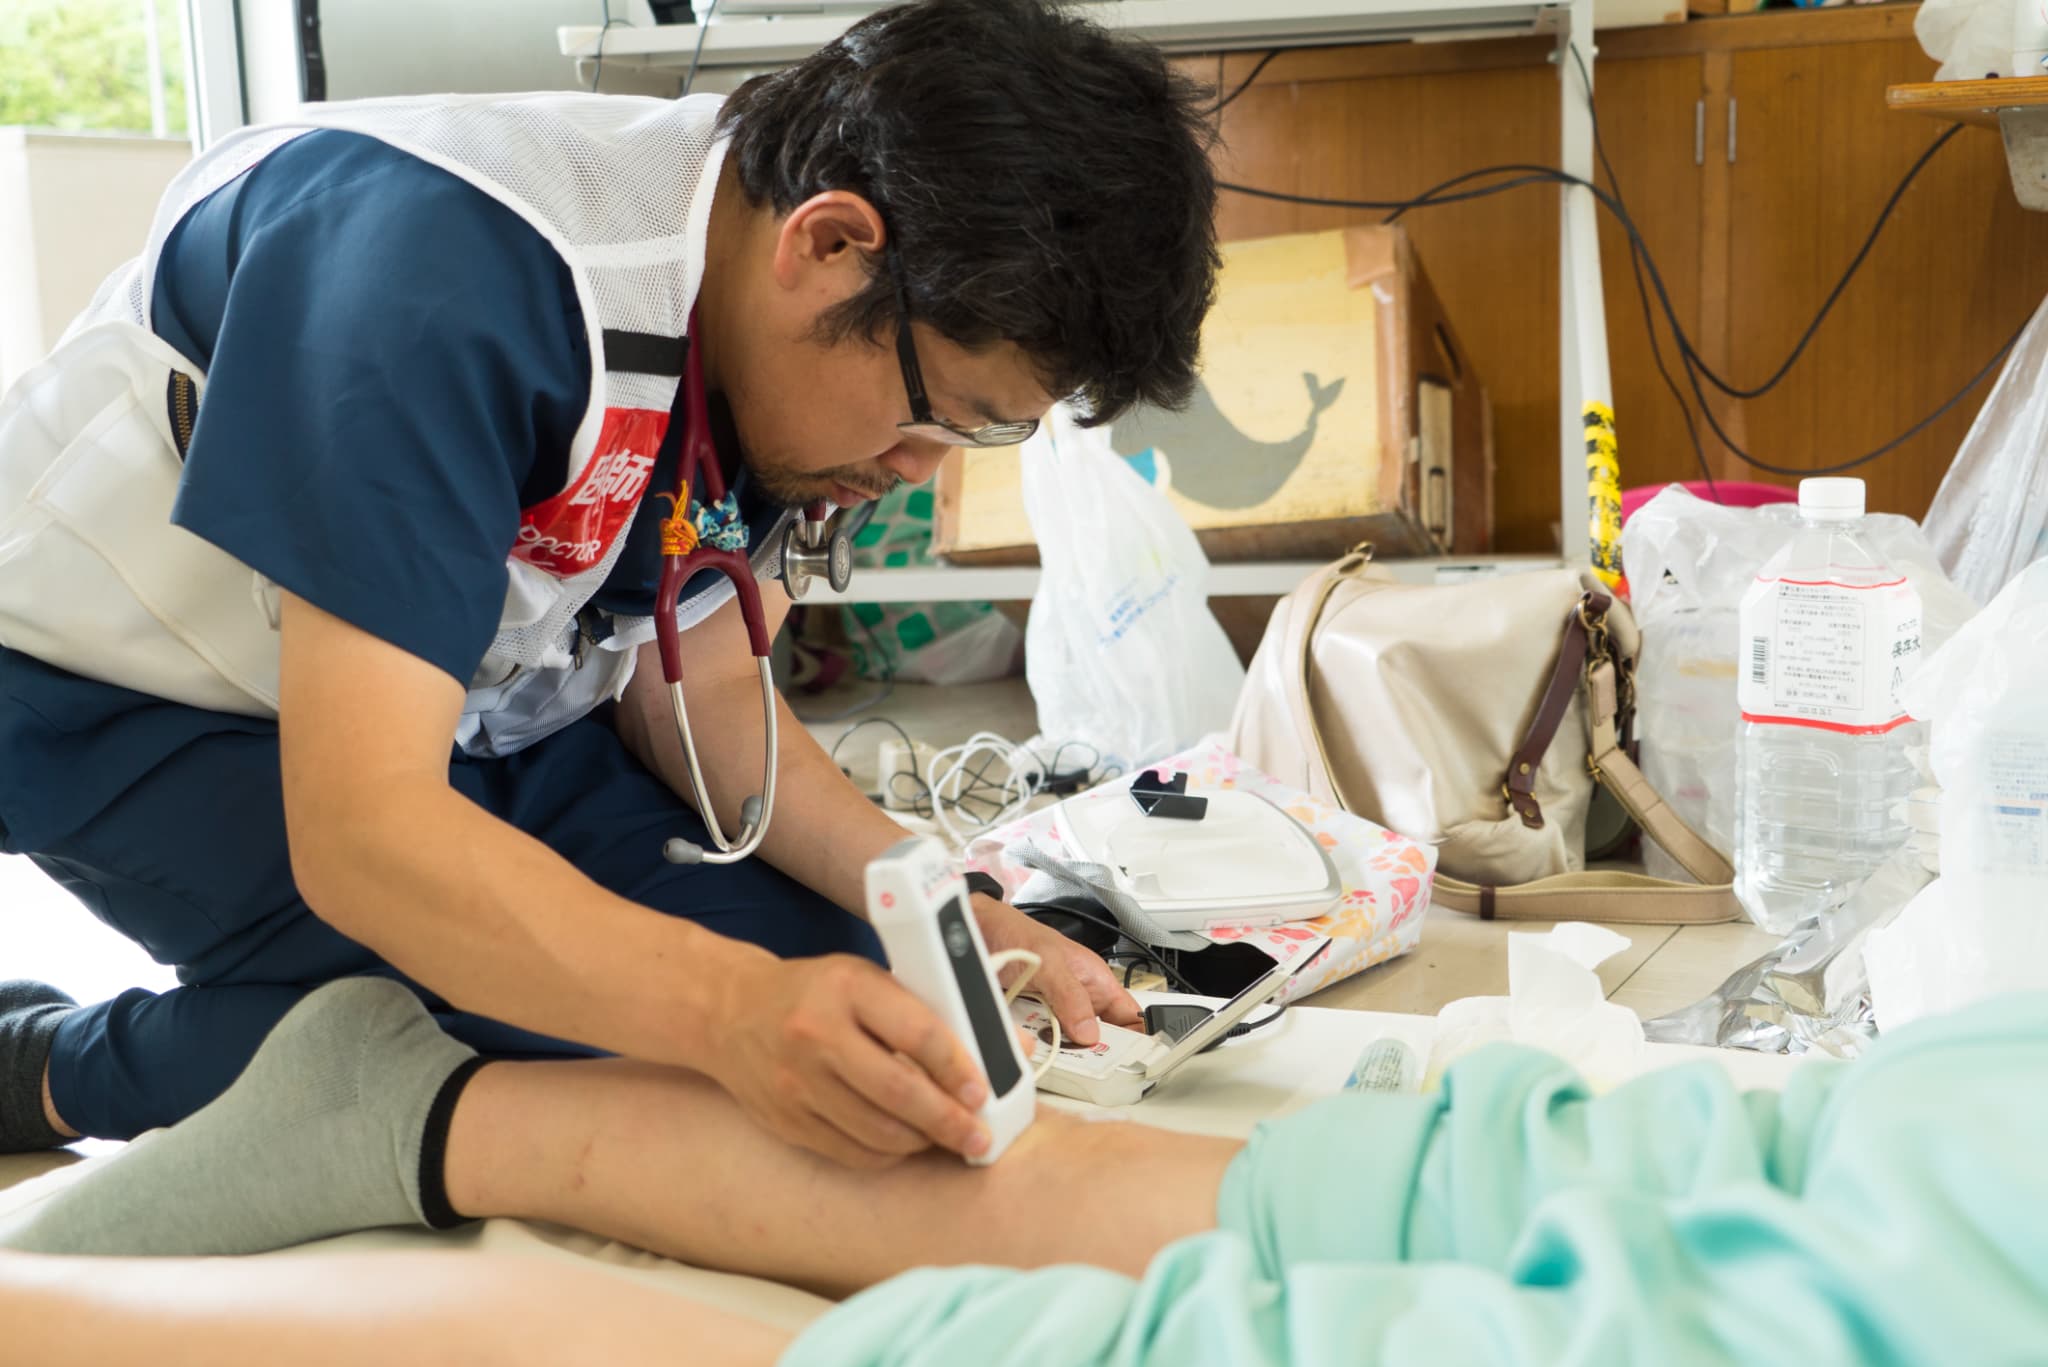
<point x="335" y="1126"/>
<point x="665" y="1160"/>
<point x="339" y="1310"/>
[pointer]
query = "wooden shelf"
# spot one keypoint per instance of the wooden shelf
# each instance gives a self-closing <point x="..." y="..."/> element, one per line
<point x="1231" y="579"/>
<point x="1969" y="101"/>
<point x="2017" y="106"/>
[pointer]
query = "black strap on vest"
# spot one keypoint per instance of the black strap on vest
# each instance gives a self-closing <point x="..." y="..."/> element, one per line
<point x="645" y="353"/>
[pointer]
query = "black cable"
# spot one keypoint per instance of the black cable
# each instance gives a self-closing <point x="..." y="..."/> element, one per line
<point x="1167" y="970"/>
<point x="1541" y="175"/>
<point x="1915" y="430"/>
<point x="847" y="734"/>
<point x="1538" y="175"/>
<point x="1687" y="352"/>
<point x="1641" y="259"/>
<point x="697" y="55"/>
<point x="1855" y="264"/>
<point x="597" y="70"/>
<point x="1848" y="273"/>
<point x="1428" y="197"/>
<point x="1245" y="84"/>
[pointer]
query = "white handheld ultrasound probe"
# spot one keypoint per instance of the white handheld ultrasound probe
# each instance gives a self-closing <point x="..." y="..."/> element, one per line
<point x="917" y="902"/>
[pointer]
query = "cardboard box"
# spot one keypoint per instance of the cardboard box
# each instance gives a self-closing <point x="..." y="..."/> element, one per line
<point x="1336" y="407"/>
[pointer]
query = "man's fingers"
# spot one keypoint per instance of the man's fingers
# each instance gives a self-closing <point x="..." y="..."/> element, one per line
<point x="865" y="1122"/>
<point x="1069" y="999"/>
<point x="1112" y="1002"/>
<point x="906" y="1025"/>
<point x="894" y="1090"/>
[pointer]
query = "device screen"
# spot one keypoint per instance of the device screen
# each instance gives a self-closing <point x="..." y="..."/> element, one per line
<point x="984" y="1009"/>
<point x="1236" y="1009"/>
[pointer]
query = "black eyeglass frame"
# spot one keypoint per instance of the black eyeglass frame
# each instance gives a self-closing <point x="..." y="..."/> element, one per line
<point x="923" y="422"/>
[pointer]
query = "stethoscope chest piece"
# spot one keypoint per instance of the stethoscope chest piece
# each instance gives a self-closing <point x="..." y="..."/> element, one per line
<point x="816" y="547"/>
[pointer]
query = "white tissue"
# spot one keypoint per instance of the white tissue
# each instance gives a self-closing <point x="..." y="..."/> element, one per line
<point x="1555" y="1003"/>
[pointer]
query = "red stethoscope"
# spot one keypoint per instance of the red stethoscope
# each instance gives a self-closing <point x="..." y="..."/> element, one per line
<point x="704" y="530"/>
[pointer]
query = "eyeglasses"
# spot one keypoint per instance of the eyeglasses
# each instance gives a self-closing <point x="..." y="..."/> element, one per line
<point x="923" y="423"/>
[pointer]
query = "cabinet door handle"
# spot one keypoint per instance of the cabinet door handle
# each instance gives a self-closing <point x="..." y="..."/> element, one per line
<point x="1731" y="130"/>
<point x="1699" y="132"/>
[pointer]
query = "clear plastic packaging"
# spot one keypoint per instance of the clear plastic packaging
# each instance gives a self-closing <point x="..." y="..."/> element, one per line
<point x="1989" y="519"/>
<point x="1689" y="562"/>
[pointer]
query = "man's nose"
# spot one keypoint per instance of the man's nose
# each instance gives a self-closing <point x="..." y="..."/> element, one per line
<point x="913" y="460"/>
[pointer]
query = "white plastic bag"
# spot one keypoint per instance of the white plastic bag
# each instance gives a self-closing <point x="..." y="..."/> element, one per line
<point x="1972" y="39"/>
<point x="1688" y="563"/>
<point x="1990" y="516"/>
<point x="1984" y="694"/>
<point x="1979" y="929"/>
<point x="1121" y="651"/>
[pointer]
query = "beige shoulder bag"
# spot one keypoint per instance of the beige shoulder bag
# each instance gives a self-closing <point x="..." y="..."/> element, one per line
<point x="1476" y="717"/>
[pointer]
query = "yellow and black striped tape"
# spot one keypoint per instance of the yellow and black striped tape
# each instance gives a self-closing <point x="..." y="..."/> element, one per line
<point x="1603" y="492"/>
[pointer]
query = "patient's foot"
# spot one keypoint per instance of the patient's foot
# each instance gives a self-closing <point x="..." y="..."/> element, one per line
<point x="321" y="1134"/>
<point x="29" y="1015"/>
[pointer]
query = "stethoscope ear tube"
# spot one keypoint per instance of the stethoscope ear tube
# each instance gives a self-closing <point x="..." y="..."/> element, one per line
<point x="755" y="812"/>
<point x="685" y="550"/>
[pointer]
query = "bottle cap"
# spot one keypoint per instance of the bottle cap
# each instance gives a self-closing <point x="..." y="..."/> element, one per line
<point x="1831" y="500"/>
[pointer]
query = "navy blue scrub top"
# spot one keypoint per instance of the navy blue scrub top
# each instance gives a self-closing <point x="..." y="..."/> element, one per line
<point x="396" y="365"/>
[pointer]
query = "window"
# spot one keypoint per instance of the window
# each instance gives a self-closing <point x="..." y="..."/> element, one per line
<point x="100" y="66"/>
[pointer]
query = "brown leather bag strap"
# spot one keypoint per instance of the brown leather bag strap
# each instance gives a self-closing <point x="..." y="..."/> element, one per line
<point x="1519" y="786"/>
<point x="1622" y="898"/>
<point x="1630" y="898"/>
<point x="1599" y="896"/>
<point x="1619" y="775"/>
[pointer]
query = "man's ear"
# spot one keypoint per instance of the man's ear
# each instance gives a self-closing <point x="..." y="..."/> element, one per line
<point x="822" y="244"/>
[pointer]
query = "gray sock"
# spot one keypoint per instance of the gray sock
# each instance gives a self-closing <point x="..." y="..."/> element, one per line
<point x="322" y="1134"/>
<point x="29" y="1015"/>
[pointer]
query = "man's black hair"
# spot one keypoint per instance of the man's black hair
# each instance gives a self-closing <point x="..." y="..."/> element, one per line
<point x="1045" y="183"/>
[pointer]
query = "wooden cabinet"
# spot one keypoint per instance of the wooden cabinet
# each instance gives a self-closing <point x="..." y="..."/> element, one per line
<point x="1954" y="273"/>
<point x="1754" y="153"/>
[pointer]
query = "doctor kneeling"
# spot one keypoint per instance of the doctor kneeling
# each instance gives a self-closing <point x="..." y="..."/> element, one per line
<point x="330" y="538"/>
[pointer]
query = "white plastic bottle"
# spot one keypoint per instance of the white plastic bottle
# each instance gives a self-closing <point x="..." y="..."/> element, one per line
<point x="1829" y="634"/>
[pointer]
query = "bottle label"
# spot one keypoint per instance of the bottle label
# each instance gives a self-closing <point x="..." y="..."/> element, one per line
<point x="1827" y="654"/>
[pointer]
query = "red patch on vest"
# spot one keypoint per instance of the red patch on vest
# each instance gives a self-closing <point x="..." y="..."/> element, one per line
<point x="573" y="531"/>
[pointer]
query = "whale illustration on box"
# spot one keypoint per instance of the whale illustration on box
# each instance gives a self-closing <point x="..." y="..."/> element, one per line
<point x="1336" y="405"/>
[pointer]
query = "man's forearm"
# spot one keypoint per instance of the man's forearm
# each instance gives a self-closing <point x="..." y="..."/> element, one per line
<point x="823" y="830"/>
<point x="499" y="924"/>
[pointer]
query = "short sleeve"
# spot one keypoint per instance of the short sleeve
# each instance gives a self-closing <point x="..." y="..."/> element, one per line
<point x="395" y="352"/>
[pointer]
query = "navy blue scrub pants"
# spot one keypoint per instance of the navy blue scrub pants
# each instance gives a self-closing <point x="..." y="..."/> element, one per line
<point x="191" y="864"/>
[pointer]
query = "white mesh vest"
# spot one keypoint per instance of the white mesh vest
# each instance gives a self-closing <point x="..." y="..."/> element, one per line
<point x="96" y="580"/>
